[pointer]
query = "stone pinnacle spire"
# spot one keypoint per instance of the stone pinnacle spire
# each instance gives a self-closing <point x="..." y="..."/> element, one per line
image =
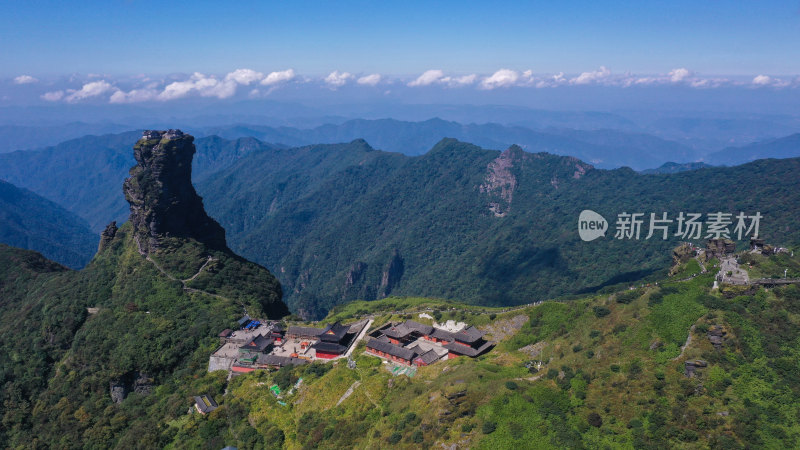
<point x="163" y="201"/>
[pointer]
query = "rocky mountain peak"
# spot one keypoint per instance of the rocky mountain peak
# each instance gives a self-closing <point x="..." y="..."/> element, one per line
<point x="162" y="199"/>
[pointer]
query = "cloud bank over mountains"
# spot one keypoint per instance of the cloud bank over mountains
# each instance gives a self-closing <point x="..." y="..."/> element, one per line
<point x="257" y="84"/>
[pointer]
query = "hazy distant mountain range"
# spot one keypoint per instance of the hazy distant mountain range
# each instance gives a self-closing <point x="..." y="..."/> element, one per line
<point x="30" y="221"/>
<point x="785" y="147"/>
<point x="672" y="167"/>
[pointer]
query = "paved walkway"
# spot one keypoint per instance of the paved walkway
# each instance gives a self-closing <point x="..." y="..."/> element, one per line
<point x="348" y="393"/>
<point x="731" y="273"/>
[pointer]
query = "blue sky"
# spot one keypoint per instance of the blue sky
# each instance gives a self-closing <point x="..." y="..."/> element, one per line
<point x="142" y="51"/>
<point x="402" y="38"/>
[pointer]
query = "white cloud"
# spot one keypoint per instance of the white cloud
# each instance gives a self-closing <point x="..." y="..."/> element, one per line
<point x="762" y="80"/>
<point x="501" y="78"/>
<point x="92" y="89"/>
<point x="596" y="76"/>
<point x="25" y="79"/>
<point x="177" y="89"/>
<point x="53" y="96"/>
<point x="337" y="79"/>
<point x="278" y="77"/>
<point x="551" y="81"/>
<point x="464" y="80"/>
<point x="134" y="96"/>
<point x="642" y="81"/>
<point x="203" y="85"/>
<point x="370" y="80"/>
<point x="244" y="76"/>
<point x="428" y="78"/>
<point x="766" y="80"/>
<point x="679" y="75"/>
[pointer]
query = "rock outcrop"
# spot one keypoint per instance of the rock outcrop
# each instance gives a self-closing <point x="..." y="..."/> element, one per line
<point x="693" y="366"/>
<point x="500" y="182"/>
<point x="107" y="235"/>
<point x="717" y="248"/>
<point x="163" y="201"/>
<point x="680" y="254"/>
<point x="391" y="276"/>
<point x="138" y="382"/>
<point x="716" y="335"/>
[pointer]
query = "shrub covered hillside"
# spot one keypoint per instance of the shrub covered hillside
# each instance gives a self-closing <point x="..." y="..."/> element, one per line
<point x="147" y="333"/>
<point x="613" y="374"/>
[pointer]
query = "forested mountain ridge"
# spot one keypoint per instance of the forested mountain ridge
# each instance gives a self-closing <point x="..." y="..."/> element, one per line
<point x="429" y="226"/>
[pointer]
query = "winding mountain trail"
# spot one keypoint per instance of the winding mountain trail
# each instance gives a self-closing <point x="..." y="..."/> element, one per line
<point x="183" y="282"/>
<point x="200" y="270"/>
<point x="348" y="393"/>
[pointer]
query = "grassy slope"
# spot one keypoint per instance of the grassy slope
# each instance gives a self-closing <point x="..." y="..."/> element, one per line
<point x="613" y="377"/>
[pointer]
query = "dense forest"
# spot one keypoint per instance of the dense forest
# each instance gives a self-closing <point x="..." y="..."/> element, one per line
<point x="344" y="222"/>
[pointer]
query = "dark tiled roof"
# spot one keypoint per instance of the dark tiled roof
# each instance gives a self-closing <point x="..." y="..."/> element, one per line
<point x="305" y="331"/>
<point x="280" y="361"/>
<point x="428" y="357"/>
<point x="438" y="333"/>
<point x="468" y="335"/>
<point x="418" y="327"/>
<point x="204" y="407"/>
<point x="391" y="349"/>
<point x="334" y="333"/>
<point x="467" y="351"/>
<point x="259" y="344"/>
<point x="225" y="333"/>
<point x="404" y="329"/>
<point x="244" y="320"/>
<point x="329" y="347"/>
<point x="357" y="327"/>
<point x="398" y="331"/>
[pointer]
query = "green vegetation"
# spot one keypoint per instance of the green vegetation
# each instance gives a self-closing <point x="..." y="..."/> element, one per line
<point x="774" y="266"/>
<point x="335" y="218"/>
<point x="630" y="391"/>
<point x="631" y="394"/>
<point x="331" y="219"/>
<point x="148" y="334"/>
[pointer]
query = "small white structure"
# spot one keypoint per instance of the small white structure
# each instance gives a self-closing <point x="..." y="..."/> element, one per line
<point x="451" y="326"/>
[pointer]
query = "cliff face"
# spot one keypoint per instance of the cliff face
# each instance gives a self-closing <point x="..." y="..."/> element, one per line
<point x="162" y="198"/>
